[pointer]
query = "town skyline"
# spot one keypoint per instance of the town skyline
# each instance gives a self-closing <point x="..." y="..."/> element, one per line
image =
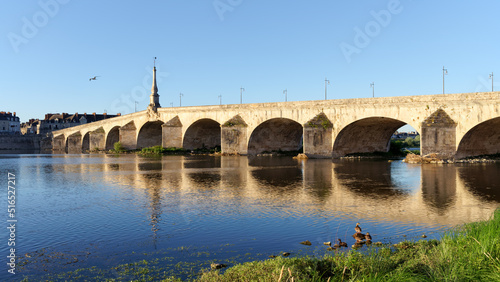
<point x="209" y="51"/>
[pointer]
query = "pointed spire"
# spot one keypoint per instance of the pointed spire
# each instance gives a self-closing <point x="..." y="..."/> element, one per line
<point x="154" y="98"/>
<point x="154" y="88"/>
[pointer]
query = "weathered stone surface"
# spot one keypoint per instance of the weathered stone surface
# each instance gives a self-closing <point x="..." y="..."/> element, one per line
<point x="97" y="139"/>
<point x="320" y="120"/>
<point x="234" y="136"/>
<point x="175" y="122"/>
<point x="234" y="140"/>
<point x="438" y="134"/>
<point x="318" y="137"/>
<point x="74" y="143"/>
<point x="439" y="119"/>
<point x="22" y="142"/>
<point x="128" y="136"/>
<point x="235" y="121"/>
<point x="359" y="125"/>
<point x="59" y="143"/>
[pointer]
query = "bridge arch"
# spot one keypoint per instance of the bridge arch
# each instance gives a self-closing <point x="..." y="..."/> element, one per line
<point x="203" y="133"/>
<point x="276" y="134"/>
<point x="149" y="135"/>
<point x="482" y="139"/>
<point x="112" y="137"/>
<point x="86" y="142"/>
<point x="367" y="135"/>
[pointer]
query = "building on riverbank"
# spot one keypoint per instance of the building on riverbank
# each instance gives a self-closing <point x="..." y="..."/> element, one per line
<point x="9" y="123"/>
<point x="60" y="121"/>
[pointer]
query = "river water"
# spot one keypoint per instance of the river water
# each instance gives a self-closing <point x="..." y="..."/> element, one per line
<point x="102" y="211"/>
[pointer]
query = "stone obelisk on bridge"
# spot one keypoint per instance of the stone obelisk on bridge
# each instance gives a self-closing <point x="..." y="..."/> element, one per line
<point x="154" y="98"/>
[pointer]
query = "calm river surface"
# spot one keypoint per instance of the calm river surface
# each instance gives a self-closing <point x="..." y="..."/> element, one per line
<point x="80" y="211"/>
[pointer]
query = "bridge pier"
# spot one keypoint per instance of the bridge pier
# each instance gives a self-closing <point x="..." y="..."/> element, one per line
<point x="59" y="143"/>
<point x="438" y="135"/>
<point x="234" y="136"/>
<point x="318" y="141"/>
<point x="74" y="143"/>
<point x="128" y="136"/>
<point x="171" y="133"/>
<point x="97" y="139"/>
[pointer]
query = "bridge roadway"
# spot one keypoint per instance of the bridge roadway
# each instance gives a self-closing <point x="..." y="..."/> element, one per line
<point x="457" y="125"/>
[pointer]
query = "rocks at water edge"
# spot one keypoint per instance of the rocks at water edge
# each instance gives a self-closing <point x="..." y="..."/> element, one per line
<point x="301" y="157"/>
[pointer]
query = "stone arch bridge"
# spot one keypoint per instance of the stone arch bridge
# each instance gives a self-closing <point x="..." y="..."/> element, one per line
<point x="457" y="125"/>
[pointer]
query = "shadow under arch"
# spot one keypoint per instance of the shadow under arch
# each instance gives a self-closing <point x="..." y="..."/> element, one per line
<point x="482" y="139"/>
<point x="203" y="133"/>
<point x="112" y="137"/>
<point x="86" y="142"/>
<point x="276" y="134"/>
<point x="366" y="135"/>
<point x="150" y="135"/>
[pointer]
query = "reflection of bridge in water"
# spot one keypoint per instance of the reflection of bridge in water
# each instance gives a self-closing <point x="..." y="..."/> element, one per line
<point x="382" y="192"/>
<point x="461" y="124"/>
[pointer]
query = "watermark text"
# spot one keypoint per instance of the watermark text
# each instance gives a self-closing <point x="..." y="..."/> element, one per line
<point x="11" y="222"/>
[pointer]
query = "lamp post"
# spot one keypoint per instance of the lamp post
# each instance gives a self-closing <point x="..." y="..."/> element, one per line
<point x="241" y="94"/>
<point x="285" y="92"/>
<point x="180" y="99"/>
<point x="171" y="104"/>
<point x="326" y="82"/>
<point x="491" y="77"/>
<point x="445" y="72"/>
<point x="220" y="99"/>
<point x="372" y="85"/>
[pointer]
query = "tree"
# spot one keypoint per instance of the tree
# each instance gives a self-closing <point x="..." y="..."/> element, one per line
<point x="409" y="142"/>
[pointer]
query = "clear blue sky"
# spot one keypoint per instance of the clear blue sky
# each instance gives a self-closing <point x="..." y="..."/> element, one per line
<point x="205" y="49"/>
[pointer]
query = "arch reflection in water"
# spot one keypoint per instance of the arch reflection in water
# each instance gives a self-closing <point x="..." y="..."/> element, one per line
<point x="482" y="180"/>
<point x="372" y="179"/>
<point x="439" y="187"/>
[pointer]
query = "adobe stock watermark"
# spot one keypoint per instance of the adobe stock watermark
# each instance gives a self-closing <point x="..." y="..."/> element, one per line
<point x="223" y="6"/>
<point x="484" y="85"/>
<point x="31" y="27"/>
<point x="363" y="36"/>
<point x="127" y="102"/>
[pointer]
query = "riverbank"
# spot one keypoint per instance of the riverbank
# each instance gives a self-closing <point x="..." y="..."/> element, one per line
<point x="470" y="252"/>
<point x="465" y="253"/>
<point x="438" y="159"/>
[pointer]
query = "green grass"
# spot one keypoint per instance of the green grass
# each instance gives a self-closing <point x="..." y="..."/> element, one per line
<point x="118" y="147"/>
<point x="467" y="253"/>
<point x="159" y="150"/>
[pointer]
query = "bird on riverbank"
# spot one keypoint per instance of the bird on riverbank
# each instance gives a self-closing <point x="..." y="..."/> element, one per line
<point x="358" y="236"/>
<point x="341" y="244"/>
<point x="368" y="237"/>
<point x="327" y="243"/>
<point x="357" y="228"/>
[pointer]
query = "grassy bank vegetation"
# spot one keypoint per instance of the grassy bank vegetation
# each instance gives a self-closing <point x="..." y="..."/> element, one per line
<point x="159" y="150"/>
<point x="467" y="253"/>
